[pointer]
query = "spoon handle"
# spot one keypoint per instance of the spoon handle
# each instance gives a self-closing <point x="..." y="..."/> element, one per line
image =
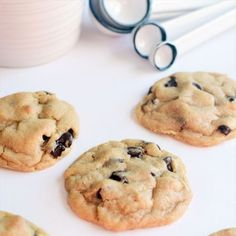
<point x="164" y="16"/>
<point x="164" y="6"/>
<point x="198" y="17"/>
<point x="206" y="32"/>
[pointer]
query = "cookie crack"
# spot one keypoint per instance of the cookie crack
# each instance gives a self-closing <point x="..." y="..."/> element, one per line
<point x="96" y="213"/>
<point x="39" y="114"/>
<point x="17" y="152"/>
<point x="1" y="156"/>
<point x="151" y="209"/>
<point x="171" y="209"/>
<point x="156" y="107"/>
<point x="11" y="124"/>
<point x="3" y="150"/>
<point x="153" y="189"/>
<point x="8" y="161"/>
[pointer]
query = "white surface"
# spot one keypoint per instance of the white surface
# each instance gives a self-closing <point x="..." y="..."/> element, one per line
<point x="104" y="79"/>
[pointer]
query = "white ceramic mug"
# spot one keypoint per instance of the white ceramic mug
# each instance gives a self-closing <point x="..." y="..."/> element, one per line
<point x="34" y="32"/>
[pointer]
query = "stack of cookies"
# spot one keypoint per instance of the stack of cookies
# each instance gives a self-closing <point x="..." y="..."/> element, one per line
<point x="119" y="185"/>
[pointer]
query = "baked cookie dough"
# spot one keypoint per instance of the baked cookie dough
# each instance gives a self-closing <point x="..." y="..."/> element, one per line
<point x="225" y="232"/>
<point x="36" y="130"/>
<point x="196" y="108"/>
<point x="127" y="185"/>
<point x="13" y="225"/>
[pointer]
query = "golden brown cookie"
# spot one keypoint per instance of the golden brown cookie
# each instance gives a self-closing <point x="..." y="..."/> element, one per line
<point x="13" y="225"/>
<point x="36" y="130"/>
<point x="196" y="108"/>
<point x="127" y="185"/>
<point x="225" y="232"/>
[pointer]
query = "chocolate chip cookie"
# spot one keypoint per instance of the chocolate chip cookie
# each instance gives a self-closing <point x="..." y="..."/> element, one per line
<point x="36" y="130"/>
<point x="225" y="232"/>
<point x="196" y="108"/>
<point x="13" y="225"/>
<point x="127" y="185"/>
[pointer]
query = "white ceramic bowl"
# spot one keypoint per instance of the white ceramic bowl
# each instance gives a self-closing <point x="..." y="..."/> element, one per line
<point x="34" y="32"/>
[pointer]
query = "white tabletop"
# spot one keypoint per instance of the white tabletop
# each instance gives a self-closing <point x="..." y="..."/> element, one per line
<point x="104" y="79"/>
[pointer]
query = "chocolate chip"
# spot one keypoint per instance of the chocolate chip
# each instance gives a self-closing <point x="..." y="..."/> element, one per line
<point x="118" y="177"/>
<point x="98" y="194"/>
<point x="197" y="86"/>
<point x="71" y="131"/>
<point x="45" y="138"/>
<point x="48" y="93"/>
<point x="168" y="161"/>
<point x="172" y="82"/>
<point x="58" y="150"/>
<point x="65" y="141"/>
<point x="153" y="174"/>
<point x="149" y="91"/>
<point x="231" y="98"/>
<point x="224" y="129"/>
<point x="115" y="177"/>
<point x="135" y="152"/>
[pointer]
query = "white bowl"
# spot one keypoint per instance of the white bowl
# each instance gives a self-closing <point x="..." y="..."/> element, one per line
<point x="30" y="6"/>
<point x="35" y="32"/>
<point x="44" y="27"/>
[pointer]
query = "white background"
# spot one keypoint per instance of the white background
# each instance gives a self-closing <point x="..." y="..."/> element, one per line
<point x="104" y="79"/>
